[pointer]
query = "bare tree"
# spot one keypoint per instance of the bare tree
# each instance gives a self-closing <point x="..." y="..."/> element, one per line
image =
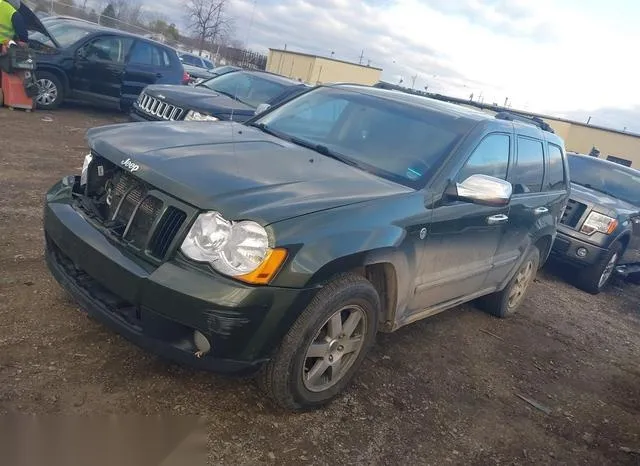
<point x="207" y="20"/>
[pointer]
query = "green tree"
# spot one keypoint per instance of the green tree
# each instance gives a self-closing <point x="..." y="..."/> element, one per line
<point x="172" y="34"/>
<point x="108" y="16"/>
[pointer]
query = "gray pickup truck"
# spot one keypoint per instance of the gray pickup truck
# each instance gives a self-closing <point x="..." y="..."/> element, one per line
<point x="600" y="229"/>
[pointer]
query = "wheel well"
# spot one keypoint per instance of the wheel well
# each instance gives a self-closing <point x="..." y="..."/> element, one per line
<point x="544" y="246"/>
<point x="59" y="74"/>
<point x="625" y="242"/>
<point x="383" y="277"/>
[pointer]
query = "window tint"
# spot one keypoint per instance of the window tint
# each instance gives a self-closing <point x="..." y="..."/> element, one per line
<point x="491" y="157"/>
<point x="529" y="170"/>
<point x="144" y="53"/>
<point x="556" y="168"/>
<point x="617" y="181"/>
<point x="108" y="49"/>
<point x="191" y="60"/>
<point x="315" y="120"/>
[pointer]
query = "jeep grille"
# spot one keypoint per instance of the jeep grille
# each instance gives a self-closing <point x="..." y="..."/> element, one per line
<point x="159" y="109"/>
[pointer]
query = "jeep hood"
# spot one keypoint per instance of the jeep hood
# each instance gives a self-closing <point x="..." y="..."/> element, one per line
<point x="237" y="170"/>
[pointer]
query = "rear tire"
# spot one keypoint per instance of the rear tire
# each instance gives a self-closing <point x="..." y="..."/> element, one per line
<point x="50" y="91"/>
<point x="594" y="279"/>
<point x="506" y="302"/>
<point x="325" y="346"/>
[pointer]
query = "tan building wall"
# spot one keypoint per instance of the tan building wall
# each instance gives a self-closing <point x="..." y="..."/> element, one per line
<point x="326" y="71"/>
<point x="317" y="70"/>
<point x="582" y="138"/>
<point x="291" y="65"/>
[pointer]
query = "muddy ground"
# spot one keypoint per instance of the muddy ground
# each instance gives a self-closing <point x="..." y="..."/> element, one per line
<point x="442" y="391"/>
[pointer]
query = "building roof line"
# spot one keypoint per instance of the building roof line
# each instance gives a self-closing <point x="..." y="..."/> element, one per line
<point x="325" y="58"/>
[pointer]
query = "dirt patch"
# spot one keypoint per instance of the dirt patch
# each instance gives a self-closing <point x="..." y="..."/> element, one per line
<point x="442" y="391"/>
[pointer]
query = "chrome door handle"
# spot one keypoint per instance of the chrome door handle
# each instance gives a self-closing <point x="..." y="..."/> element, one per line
<point x="540" y="210"/>
<point x="497" y="219"/>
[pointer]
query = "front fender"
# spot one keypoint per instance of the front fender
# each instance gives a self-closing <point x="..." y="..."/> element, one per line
<point x="336" y="240"/>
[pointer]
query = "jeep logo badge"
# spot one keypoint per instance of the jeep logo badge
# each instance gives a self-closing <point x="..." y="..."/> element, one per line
<point x="130" y="165"/>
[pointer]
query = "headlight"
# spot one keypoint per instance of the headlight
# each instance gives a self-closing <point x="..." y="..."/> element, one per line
<point x="192" y="115"/>
<point x="597" y="222"/>
<point x="237" y="249"/>
<point x="85" y="169"/>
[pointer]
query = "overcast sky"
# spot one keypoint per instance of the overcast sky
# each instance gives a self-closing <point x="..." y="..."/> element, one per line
<point x="572" y="58"/>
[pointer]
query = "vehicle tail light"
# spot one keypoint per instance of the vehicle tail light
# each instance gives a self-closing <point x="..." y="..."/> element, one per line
<point x="185" y="78"/>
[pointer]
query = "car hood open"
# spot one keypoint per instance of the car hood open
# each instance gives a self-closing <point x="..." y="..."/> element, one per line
<point x="33" y="23"/>
<point x="237" y="170"/>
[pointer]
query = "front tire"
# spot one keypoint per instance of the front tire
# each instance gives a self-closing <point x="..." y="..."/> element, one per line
<point x="595" y="278"/>
<point x="325" y="346"/>
<point x="50" y="90"/>
<point x="506" y="302"/>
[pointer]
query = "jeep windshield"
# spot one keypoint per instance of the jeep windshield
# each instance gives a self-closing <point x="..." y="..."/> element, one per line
<point x="246" y="88"/>
<point x="620" y="183"/>
<point x="392" y="139"/>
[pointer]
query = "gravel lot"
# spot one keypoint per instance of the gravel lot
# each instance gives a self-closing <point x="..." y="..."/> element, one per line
<point x="442" y="391"/>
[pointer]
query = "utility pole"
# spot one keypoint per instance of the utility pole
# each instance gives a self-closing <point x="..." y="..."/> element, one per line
<point x="361" y="57"/>
<point x="413" y="81"/>
<point x="505" y="101"/>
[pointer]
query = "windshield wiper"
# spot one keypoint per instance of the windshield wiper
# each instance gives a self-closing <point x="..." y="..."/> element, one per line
<point x="590" y="186"/>
<point x="319" y="148"/>
<point x="324" y="150"/>
<point x="264" y="128"/>
<point x="230" y="95"/>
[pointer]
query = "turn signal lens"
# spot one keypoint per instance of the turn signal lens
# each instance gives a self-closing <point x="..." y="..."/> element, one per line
<point x="267" y="269"/>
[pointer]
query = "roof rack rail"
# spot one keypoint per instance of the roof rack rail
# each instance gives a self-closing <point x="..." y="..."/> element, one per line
<point x="537" y="121"/>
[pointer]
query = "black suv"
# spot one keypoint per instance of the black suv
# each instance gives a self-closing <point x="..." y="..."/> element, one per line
<point x="80" y="60"/>
<point x="237" y="96"/>
<point x="600" y="229"/>
<point x="283" y="245"/>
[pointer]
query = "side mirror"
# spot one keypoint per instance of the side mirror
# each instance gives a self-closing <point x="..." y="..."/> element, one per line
<point x="483" y="190"/>
<point x="262" y="108"/>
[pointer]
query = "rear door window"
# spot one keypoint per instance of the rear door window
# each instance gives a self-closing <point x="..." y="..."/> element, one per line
<point x="528" y="172"/>
<point x="144" y="53"/>
<point x="556" y="178"/>
<point x="490" y="157"/>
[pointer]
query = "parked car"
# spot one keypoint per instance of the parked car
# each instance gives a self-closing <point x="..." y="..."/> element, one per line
<point x="220" y="70"/>
<point x="79" y="60"/>
<point x="232" y="96"/>
<point x="198" y="68"/>
<point x="600" y="229"/>
<point x="281" y="246"/>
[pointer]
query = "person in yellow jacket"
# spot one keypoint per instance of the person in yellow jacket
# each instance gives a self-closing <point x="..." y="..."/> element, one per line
<point x="12" y="25"/>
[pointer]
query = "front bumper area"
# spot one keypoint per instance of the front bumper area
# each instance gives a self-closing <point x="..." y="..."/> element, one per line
<point x="565" y="248"/>
<point x="159" y="308"/>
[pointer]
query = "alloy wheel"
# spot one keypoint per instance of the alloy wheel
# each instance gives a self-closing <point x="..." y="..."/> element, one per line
<point x="523" y="279"/>
<point x="48" y="92"/>
<point x="608" y="271"/>
<point x="334" y="348"/>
